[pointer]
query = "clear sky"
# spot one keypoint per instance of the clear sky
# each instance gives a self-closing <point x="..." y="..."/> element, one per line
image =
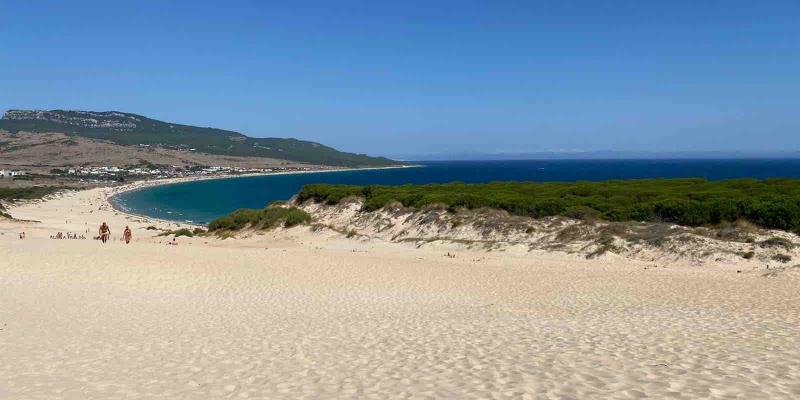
<point x="423" y="77"/>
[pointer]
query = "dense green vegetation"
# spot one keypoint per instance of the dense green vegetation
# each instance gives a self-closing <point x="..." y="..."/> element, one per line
<point x="267" y="218"/>
<point x="206" y="140"/>
<point x="772" y="203"/>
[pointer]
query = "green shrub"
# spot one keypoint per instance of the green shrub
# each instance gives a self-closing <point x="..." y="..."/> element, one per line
<point x="581" y="212"/>
<point x="783" y="258"/>
<point x="295" y="216"/>
<point x="183" y="232"/>
<point x="748" y="255"/>
<point x="682" y="212"/>
<point x="777" y="242"/>
<point x="771" y="203"/>
<point x="266" y="218"/>
<point x="178" y="232"/>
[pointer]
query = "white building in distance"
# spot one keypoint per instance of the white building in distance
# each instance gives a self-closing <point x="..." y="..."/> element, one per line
<point x="9" y="173"/>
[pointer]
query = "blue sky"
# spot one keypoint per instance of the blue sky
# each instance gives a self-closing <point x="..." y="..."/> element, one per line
<point x="423" y="77"/>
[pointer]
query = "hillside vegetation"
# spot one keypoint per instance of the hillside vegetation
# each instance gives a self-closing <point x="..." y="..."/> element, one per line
<point x="67" y="150"/>
<point x="131" y="129"/>
<point x="772" y="203"/>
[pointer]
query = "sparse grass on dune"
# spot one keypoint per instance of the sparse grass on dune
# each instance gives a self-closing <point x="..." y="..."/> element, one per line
<point x="24" y="193"/>
<point x="27" y="193"/>
<point x="771" y="203"/>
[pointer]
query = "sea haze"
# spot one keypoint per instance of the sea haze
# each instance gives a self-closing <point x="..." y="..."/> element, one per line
<point x="202" y="201"/>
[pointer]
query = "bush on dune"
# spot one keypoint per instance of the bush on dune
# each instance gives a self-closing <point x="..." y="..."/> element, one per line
<point x="777" y="242"/>
<point x="770" y="203"/>
<point x="178" y="232"/>
<point x="267" y="218"/>
<point x="27" y="193"/>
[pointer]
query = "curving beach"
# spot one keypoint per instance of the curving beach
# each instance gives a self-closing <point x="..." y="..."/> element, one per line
<point x="302" y="314"/>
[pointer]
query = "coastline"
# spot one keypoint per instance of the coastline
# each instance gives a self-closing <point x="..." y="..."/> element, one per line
<point x="141" y="185"/>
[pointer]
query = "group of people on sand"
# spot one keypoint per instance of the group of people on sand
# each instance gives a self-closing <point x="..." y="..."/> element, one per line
<point x="105" y="233"/>
<point x="127" y="235"/>
<point x="69" y="235"/>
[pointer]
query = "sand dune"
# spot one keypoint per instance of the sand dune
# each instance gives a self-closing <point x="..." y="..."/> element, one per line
<point x="301" y="314"/>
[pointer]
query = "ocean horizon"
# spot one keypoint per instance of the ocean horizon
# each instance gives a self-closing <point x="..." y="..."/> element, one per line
<point x="204" y="200"/>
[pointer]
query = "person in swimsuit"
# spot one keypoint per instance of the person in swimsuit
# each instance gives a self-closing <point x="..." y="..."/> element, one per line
<point x="127" y="235"/>
<point x="105" y="232"/>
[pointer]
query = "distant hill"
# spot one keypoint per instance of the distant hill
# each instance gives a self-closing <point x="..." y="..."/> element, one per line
<point x="134" y="130"/>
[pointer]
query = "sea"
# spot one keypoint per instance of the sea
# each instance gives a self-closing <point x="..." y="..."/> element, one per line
<point x="204" y="200"/>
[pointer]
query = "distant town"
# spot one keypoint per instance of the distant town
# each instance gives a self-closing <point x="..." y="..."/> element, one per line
<point x="11" y="173"/>
<point x="98" y="174"/>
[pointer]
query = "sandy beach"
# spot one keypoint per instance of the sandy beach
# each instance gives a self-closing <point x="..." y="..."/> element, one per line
<point x="302" y="314"/>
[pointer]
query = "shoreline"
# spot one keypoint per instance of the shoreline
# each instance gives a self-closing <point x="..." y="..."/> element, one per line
<point x="142" y="185"/>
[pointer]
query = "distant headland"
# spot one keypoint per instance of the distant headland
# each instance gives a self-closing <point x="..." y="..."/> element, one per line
<point x="127" y="129"/>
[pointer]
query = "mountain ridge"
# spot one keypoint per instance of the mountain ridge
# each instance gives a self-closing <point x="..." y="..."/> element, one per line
<point x="132" y="129"/>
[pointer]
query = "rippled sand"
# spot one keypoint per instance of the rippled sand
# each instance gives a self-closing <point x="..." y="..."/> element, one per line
<point x="303" y="315"/>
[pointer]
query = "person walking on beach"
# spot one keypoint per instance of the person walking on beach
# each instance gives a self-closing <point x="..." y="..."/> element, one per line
<point x="127" y="235"/>
<point x="105" y="232"/>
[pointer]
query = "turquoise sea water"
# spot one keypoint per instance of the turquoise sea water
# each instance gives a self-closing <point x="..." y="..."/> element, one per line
<point x="202" y="201"/>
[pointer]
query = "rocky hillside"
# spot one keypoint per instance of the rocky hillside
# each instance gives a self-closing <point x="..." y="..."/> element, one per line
<point x="136" y="130"/>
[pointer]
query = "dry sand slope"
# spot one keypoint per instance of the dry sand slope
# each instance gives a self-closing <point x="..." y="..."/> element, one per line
<point x="304" y="315"/>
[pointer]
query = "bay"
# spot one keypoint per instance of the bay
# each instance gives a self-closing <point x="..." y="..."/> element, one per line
<point x="204" y="200"/>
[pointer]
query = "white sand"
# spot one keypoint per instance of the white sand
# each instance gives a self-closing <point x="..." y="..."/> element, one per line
<point x="297" y="314"/>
